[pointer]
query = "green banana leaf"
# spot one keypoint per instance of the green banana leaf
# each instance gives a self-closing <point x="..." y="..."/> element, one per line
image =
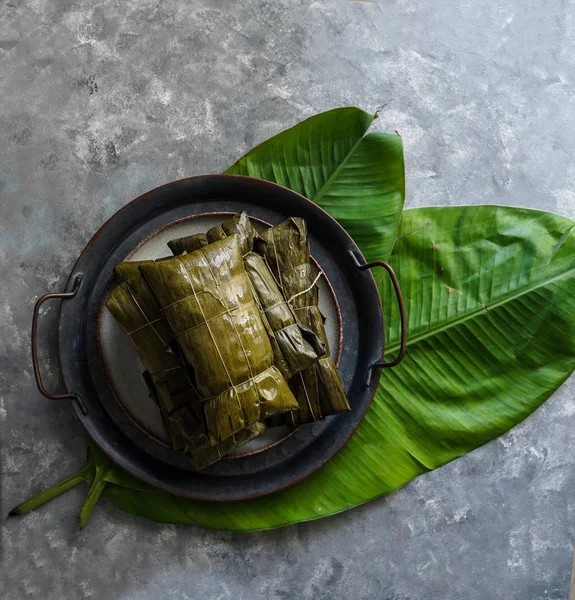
<point x="489" y="292"/>
<point x="490" y="296"/>
<point x="359" y="179"/>
<point x="491" y="315"/>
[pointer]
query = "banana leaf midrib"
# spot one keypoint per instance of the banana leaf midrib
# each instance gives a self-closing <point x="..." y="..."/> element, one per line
<point x="484" y="308"/>
<point x="325" y="187"/>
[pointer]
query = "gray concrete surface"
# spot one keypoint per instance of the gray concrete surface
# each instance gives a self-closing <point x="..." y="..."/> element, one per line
<point x="101" y="101"/>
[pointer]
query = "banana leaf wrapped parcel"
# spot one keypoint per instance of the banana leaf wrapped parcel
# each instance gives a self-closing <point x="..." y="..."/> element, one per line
<point x="187" y="244"/>
<point x="206" y="298"/>
<point x="176" y="400"/>
<point x="136" y="310"/>
<point x="198" y="451"/>
<point x="295" y="347"/>
<point x="239" y="224"/>
<point x="319" y="389"/>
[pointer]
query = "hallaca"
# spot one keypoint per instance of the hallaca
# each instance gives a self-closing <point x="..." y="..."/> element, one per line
<point x="239" y="224"/>
<point x="170" y="383"/>
<point x="198" y="451"/>
<point x="319" y="389"/>
<point x="188" y="244"/>
<point x="171" y="400"/>
<point x="206" y="298"/>
<point x="295" y="348"/>
<point x="135" y="309"/>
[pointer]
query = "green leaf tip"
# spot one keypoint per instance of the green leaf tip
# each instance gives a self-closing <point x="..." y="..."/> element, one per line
<point x="51" y="492"/>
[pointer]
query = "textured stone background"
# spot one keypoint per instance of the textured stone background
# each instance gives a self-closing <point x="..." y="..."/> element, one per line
<point x="100" y="102"/>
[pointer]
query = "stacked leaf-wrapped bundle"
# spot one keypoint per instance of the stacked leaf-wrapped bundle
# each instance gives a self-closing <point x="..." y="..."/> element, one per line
<point x="318" y="389"/>
<point x="207" y="300"/>
<point x="295" y="347"/>
<point x="222" y="327"/>
<point x="134" y="307"/>
<point x="170" y="382"/>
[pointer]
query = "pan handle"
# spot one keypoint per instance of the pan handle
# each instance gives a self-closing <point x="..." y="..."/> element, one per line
<point x="382" y="363"/>
<point x="41" y="388"/>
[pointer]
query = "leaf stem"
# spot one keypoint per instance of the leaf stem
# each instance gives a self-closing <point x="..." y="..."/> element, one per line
<point x="51" y="492"/>
<point x="92" y="498"/>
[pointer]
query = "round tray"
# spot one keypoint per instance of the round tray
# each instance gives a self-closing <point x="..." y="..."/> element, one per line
<point x="89" y="345"/>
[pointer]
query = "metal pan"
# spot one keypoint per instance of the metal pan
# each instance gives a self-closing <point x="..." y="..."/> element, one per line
<point x="89" y="347"/>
